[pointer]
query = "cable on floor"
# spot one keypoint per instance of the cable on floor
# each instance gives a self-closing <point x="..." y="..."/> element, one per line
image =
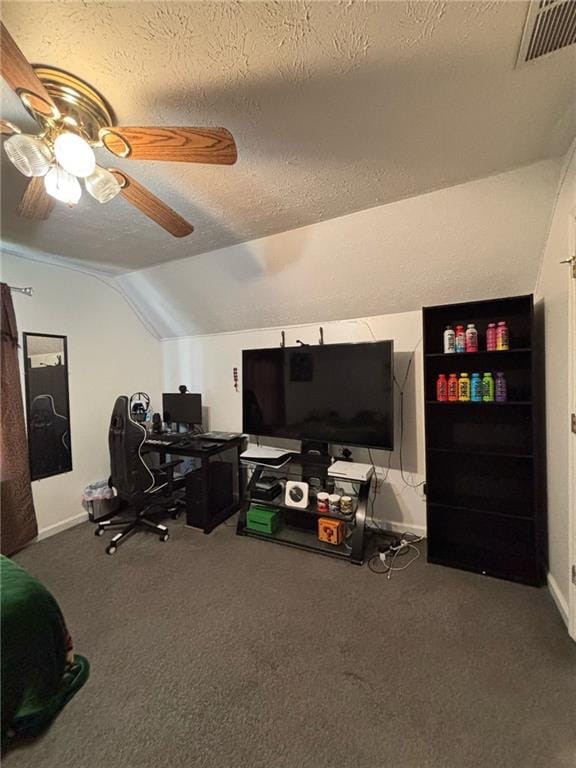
<point x="385" y="562"/>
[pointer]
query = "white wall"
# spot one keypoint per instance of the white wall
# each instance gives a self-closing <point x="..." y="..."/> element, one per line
<point x="553" y="286"/>
<point x="205" y="364"/>
<point x="109" y="353"/>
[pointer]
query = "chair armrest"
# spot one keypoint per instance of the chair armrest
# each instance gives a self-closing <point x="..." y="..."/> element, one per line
<point x="166" y="471"/>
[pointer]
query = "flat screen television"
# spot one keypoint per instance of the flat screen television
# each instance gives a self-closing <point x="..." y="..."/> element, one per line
<point x="332" y="393"/>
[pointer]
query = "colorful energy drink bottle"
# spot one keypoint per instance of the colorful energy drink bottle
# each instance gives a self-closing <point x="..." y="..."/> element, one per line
<point x="449" y="340"/>
<point x="488" y="388"/>
<point x="500" y="388"/>
<point x="502" y="336"/>
<point x="471" y="340"/>
<point x="442" y="388"/>
<point x="452" y="388"/>
<point x="460" y="341"/>
<point x="464" y="388"/>
<point x="491" y="337"/>
<point x="476" y="392"/>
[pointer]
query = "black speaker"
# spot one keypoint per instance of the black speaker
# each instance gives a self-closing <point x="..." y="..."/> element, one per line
<point x="157" y="423"/>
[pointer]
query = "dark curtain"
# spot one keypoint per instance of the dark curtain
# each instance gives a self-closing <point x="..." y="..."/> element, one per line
<point x="18" y="518"/>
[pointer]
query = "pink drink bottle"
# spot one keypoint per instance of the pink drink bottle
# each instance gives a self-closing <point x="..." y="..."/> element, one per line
<point x="442" y="388"/>
<point x="471" y="338"/>
<point x="491" y="337"/>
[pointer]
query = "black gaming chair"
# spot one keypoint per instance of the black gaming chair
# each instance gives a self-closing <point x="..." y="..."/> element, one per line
<point x="144" y="488"/>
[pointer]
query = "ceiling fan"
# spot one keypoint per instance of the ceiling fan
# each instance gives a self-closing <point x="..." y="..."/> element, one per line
<point x="74" y="118"/>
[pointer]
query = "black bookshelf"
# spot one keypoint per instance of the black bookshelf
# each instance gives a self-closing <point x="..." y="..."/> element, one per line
<point x="485" y="473"/>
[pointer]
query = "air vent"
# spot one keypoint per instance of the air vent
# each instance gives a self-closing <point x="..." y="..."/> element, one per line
<point x="550" y="26"/>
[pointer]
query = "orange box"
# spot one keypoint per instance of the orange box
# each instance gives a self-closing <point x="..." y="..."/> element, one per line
<point x="330" y="531"/>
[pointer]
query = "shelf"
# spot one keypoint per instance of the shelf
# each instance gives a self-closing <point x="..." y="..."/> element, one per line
<point x="460" y="403"/>
<point x="289" y="469"/>
<point x="472" y="355"/>
<point x="483" y="452"/>
<point x="296" y="537"/>
<point x="309" y="510"/>
<point x="497" y="572"/>
<point x="475" y="510"/>
<point x="478" y="510"/>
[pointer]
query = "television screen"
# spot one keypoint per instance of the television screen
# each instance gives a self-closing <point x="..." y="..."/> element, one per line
<point x="334" y="393"/>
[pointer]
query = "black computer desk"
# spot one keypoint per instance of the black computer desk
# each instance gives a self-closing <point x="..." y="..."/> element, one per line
<point x="214" y="490"/>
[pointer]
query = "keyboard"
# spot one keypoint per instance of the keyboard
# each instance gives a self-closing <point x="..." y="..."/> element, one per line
<point x="224" y="436"/>
<point x="191" y="442"/>
<point x="166" y="438"/>
<point x="154" y="441"/>
<point x="182" y="441"/>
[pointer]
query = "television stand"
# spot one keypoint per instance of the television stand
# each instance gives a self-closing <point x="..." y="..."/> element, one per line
<point x="299" y="527"/>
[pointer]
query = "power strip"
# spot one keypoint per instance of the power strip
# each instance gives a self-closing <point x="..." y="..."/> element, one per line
<point x="395" y="546"/>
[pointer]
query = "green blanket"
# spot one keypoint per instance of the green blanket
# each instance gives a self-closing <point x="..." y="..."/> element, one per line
<point x="40" y="674"/>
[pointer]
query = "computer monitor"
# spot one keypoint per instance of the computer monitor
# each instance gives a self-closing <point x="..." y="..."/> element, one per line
<point x="181" y="408"/>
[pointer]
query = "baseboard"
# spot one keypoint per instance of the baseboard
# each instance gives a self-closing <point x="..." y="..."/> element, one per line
<point x="558" y="597"/>
<point x="396" y="527"/>
<point x="70" y="522"/>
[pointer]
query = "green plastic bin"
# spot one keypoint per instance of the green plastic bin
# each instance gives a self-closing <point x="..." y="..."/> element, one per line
<point x="262" y="519"/>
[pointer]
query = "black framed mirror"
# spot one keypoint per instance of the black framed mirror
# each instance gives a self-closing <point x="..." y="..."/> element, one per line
<point x="47" y="404"/>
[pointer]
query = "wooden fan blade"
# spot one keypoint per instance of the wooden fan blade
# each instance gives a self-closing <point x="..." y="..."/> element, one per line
<point x="36" y="203"/>
<point x="21" y="77"/>
<point x="152" y="206"/>
<point x="8" y="129"/>
<point x="185" y="145"/>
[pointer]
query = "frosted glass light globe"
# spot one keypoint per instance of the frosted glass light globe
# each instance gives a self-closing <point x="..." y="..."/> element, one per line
<point x="102" y="185"/>
<point x="63" y="186"/>
<point x="74" y="154"/>
<point x="30" y="154"/>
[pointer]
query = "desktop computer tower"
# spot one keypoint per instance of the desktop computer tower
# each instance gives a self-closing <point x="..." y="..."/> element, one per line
<point x="209" y="494"/>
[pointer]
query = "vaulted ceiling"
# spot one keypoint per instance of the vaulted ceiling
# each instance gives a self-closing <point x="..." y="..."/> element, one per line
<point x="336" y="107"/>
<point x="476" y="240"/>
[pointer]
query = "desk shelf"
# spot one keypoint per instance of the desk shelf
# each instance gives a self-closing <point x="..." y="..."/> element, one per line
<point x="278" y="503"/>
<point x="302" y="539"/>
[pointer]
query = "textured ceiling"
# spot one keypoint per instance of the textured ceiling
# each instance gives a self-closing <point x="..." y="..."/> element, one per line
<point x="477" y="240"/>
<point x="336" y="107"/>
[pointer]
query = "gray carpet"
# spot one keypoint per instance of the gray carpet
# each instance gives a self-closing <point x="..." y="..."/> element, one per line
<point x="224" y="652"/>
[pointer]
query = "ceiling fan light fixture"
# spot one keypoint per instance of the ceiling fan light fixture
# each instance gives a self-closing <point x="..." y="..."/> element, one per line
<point x="30" y="154"/>
<point x="102" y="185"/>
<point x="74" y="119"/>
<point x="74" y="154"/>
<point x="63" y="186"/>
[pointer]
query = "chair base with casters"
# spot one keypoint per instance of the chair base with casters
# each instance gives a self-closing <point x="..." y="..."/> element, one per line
<point x="164" y="500"/>
<point x="128" y="529"/>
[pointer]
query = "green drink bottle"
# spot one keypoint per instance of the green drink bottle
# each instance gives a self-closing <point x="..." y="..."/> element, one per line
<point x="488" y="388"/>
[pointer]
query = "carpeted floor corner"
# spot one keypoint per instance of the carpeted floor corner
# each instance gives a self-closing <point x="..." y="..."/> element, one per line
<point x="224" y="652"/>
